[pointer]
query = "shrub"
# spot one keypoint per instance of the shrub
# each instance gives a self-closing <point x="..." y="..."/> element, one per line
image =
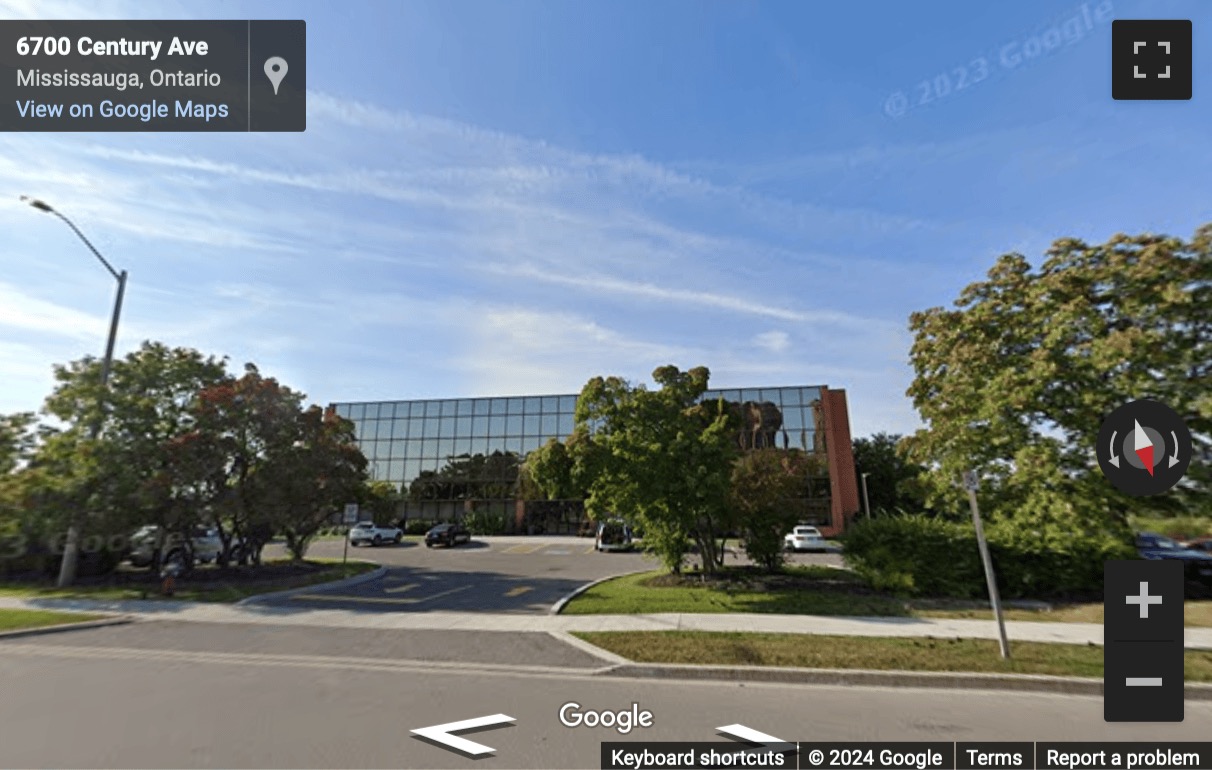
<point x="417" y="526"/>
<point x="923" y="556"/>
<point x="916" y="555"/>
<point x="485" y="523"/>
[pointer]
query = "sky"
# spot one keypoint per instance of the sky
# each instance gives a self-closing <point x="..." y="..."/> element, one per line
<point x="512" y="197"/>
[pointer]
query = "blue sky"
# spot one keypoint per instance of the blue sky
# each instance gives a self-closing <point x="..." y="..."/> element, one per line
<point x="498" y="198"/>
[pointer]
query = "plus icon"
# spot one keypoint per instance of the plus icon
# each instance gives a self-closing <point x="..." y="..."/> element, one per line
<point x="1144" y="600"/>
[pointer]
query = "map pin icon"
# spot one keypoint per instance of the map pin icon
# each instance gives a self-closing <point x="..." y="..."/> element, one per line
<point x="275" y="70"/>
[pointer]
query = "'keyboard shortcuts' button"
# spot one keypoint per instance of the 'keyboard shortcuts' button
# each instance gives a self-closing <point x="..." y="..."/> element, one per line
<point x="1143" y="641"/>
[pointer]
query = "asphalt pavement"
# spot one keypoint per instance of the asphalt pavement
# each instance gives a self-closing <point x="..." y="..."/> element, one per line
<point x="510" y="575"/>
<point x="86" y="705"/>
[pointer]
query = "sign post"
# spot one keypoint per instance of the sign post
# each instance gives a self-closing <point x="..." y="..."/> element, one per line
<point x="972" y="483"/>
<point x="351" y="517"/>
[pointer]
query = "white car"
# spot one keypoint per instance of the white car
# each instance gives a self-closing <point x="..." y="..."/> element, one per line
<point x="804" y="538"/>
<point x="367" y="532"/>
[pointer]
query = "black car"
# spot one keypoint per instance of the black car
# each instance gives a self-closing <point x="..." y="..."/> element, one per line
<point x="449" y="534"/>
<point x="1198" y="564"/>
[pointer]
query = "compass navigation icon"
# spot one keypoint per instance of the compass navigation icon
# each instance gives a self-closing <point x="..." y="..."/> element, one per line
<point x="1144" y="436"/>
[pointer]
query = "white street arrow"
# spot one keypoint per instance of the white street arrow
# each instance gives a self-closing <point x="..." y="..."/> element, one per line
<point x="1174" y="456"/>
<point x="442" y="733"/>
<point x="1114" y="457"/>
<point x="769" y="742"/>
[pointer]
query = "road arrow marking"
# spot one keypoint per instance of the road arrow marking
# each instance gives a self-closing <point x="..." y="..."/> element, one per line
<point x="748" y="734"/>
<point x="441" y="734"/>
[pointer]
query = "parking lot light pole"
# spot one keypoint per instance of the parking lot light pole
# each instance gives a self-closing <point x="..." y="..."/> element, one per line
<point x="71" y="546"/>
<point x="866" y="500"/>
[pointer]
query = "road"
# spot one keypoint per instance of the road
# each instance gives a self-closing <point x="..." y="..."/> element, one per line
<point x="163" y="694"/>
<point x="499" y="575"/>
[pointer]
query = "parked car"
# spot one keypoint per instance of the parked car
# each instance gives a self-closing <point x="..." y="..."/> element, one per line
<point x="205" y="544"/>
<point x="613" y="535"/>
<point x="1203" y="544"/>
<point x="448" y="534"/>
<point x="804" y="538"/>
<point x="369" y="533"/>
<point x="1198" y="564"/>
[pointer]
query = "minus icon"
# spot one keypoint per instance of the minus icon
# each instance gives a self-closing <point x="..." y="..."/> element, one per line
<point x="1143" y="681"/>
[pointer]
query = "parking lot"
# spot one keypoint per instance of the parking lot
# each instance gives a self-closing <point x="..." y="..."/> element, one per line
<point x="491" y="574"/>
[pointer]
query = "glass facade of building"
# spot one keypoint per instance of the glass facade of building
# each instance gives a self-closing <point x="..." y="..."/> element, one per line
<point x="443" y="453"/>
<point x="403" y="438"/>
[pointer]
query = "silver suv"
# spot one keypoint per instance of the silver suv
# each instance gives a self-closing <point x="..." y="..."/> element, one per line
<point x="144" y="543"/>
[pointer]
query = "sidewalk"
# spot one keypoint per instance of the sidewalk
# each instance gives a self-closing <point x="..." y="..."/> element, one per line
<point x="1024" y="631"/>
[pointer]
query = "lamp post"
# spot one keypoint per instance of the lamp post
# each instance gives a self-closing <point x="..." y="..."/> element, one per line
<point x="866" y="500"/>
<point x="71" y="547"/>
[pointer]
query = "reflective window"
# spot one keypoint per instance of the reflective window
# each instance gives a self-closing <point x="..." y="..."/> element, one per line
<point x="531" y="443"/>
<point x="515" y="405"/>
<point x="793" y="419"/>
<point x="568" y="404"/>
<point x="496" y="426"/>
<point x="378" y="470"/>
<point x="551" y="403"/>
<point x="499" y="405"/>
<point x="342" y="410"/>
<point x="808" y="395"/>
<point x="748" y="395"/>
<point x="448" y="408"/>
<point x="771" y="394"/>
<point x="482" y="406"/>
<point x="429" y="427"/>
<point x="513" y="425"/>
<point x="429" y="448"/>
<point x="395" y="470"/>
<point x="513" y="444"/>
<point x="399" y="428"/>
<point x="412" y="448"/>
<point x="446" y="427"/>
<point x="464" y="408"/>
<point x="411" y="469"/>
<point x="462" y="444"/>
<point x="479" y="445"/>
<point x="462" y="427"/>
<point x="533" y="405"/>
<point x="479" y="426"/>
<point x="399" y="449"/>
<point x="445" y="448"/>
<point x="495" y="444"/>
<point x="356" y="411"/>
<point x="551" y="426"/>
<point x="531" y="425"/>
<point x="567" y="423"/>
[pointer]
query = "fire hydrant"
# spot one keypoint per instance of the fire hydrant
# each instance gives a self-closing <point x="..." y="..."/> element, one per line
<point x="168" y="576"/>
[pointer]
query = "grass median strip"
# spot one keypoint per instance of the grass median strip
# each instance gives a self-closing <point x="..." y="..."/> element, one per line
<point x="206" y="584"/>
<point x="810" y="590"/>
<point x="21" y="620"/>
<point x="866" y="653"/>
<point x="797" y="591"/>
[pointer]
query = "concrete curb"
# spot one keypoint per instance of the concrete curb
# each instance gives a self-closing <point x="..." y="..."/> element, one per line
<point x="374" y="574"/>
<point x="60" y="628"/>
<point x="559" y="606"/>
<point x="1057" y="685"/>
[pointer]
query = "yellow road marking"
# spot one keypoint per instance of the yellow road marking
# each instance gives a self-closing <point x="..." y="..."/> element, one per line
<point x="400" y="589"/>
<point x="518" y="591"/>
<point x="523" y="548"/>
<point x="378" y="599"/>
<point x="591" y="549"/>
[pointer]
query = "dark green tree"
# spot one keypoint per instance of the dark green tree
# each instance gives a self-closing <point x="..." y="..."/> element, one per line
<point x="892" y="479"/>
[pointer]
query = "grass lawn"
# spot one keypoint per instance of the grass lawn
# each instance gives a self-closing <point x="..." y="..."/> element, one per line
<point x="850" y="652"/>
<point x="205" y="585"/>
<point x="16" y="620"/>
<point x="807" y="590"/>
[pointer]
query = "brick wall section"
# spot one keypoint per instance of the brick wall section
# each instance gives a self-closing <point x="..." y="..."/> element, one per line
<point x="843" y="482"/>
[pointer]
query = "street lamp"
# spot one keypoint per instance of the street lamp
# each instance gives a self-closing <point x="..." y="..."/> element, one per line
<point x="866" y="501"/>
<point x="71" y="548"/>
